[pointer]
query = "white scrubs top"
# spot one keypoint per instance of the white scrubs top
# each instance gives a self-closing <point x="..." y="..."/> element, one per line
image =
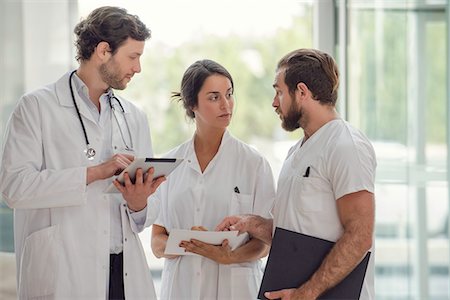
<point x="192" y="198"/>
<point x="341" y="161"/>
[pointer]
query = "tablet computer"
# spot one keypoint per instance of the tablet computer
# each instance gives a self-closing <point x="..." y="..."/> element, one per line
<point x="162" y="166"/>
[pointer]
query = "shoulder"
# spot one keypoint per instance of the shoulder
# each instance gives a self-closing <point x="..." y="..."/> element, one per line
<point x="40" y="97"/>
<point x="130" y="105"/>
<point x="346" y="137"/>
<point x="347" y="142"/>
<point x="243" y="150"/>
<point x="180" y="150"/>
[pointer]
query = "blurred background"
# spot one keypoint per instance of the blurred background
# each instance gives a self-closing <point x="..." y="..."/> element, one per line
<point x="393" y="57"/>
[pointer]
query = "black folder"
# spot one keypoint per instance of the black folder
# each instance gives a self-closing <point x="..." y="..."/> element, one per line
<point x="294" y="257"/>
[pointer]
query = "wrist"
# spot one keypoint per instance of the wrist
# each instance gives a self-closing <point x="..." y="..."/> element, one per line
<point x="134" y="209"/>
<point x="229" y="258"/>
<point x="91" y="174"/>
<point x="310" y="290"/>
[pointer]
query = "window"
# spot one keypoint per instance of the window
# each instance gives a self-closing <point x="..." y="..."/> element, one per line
<point x="396" y="87"/>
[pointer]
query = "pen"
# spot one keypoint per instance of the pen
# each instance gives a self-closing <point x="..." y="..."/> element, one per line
<point x="307" y="172"/>
<point x="236" y="190"/>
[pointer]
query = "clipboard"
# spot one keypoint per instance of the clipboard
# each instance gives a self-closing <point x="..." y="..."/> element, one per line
<point x="294" y="257"/>
<point x="162" y="166"/>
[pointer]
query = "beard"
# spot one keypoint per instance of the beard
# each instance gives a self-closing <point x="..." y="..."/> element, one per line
<point x="110" y="74"/>
<point x="291" y="121"/>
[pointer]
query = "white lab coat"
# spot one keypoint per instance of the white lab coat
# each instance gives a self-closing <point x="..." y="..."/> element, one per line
<point x="238" y="180"/>
<point x="62" y="226"/>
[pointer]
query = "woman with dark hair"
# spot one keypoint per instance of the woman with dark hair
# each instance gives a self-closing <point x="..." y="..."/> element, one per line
<point x="221" y="175"/>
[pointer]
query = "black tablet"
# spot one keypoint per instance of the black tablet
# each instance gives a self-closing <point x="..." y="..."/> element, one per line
<point x="162" y="166"/>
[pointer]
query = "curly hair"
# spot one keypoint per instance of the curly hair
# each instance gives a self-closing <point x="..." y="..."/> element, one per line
<point x="107" y="24"/>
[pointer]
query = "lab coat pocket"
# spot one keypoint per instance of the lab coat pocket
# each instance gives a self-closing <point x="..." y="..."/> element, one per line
<point x="39" y="263"/>
<point x="241" y="204"/>
<point x="244" y="283"/>
<point x="311" y="194"/>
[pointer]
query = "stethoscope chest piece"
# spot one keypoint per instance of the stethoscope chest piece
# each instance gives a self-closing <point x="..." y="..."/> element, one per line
<point x="90" y="153"/>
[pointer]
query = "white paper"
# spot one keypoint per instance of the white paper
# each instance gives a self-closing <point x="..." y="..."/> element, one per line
<point x="210" y="237"/>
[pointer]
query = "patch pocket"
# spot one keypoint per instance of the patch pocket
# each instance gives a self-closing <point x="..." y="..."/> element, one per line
<point x="311" y="194"/>
<point x="39" y="262"/>
<point x="241" y="204"/>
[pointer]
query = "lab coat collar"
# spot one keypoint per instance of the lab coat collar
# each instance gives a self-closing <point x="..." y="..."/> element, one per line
<point x="192" y="157"/>
<point x="65" y="99"/>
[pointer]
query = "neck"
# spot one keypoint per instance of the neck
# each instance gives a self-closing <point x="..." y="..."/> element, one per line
<point x="208" y="141"/>
<point x="315" y="122"/>
<point x="206" y="145"/>
<point x="96" y="87"/>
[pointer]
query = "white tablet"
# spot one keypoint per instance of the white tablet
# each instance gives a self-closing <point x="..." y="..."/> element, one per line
<point x="162" y="166"/>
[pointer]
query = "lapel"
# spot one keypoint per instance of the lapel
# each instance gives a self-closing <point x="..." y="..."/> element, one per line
<point x="65" y="99"/>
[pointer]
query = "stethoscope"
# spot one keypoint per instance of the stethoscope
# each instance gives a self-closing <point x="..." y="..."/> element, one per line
<point x="90" y="152"/>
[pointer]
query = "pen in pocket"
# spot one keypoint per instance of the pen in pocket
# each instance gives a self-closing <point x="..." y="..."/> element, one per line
<point x="307" y="172"/>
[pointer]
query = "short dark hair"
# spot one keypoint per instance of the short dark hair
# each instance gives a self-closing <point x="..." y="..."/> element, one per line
<point x="193" y="79"/>
<point x="107" y="24"/>
<point x="316" y="69"/>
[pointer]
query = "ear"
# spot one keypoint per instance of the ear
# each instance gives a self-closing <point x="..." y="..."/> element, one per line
<point x="103" y="51"/>
<point x="302" y="91"/>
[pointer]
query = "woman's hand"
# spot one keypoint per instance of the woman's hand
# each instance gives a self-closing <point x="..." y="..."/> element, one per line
<point x="221" y="254"/>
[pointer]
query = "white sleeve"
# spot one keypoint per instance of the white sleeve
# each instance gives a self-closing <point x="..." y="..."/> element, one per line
<point x="143" y="146"/>
<point x="264" y="190"/>
<point x="351" y="167"/>
<point x="137" y="219"/>
<point x="24" y="181"/>
<point x="159" y="208"/>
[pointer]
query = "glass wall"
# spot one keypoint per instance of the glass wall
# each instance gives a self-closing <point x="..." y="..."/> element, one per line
<point x="396" y="60"/>
<point x="28" y="59"/>
<point x="393" y="59"/>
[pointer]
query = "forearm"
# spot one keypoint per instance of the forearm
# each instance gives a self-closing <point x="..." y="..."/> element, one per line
<point x="93" y="174"/>
<point x="251" y="251"/>
<point x="342" y="259"/>
<point x="159" y="241"/>
<point x="159" y="245"/>
<point x="261" y="228"/>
